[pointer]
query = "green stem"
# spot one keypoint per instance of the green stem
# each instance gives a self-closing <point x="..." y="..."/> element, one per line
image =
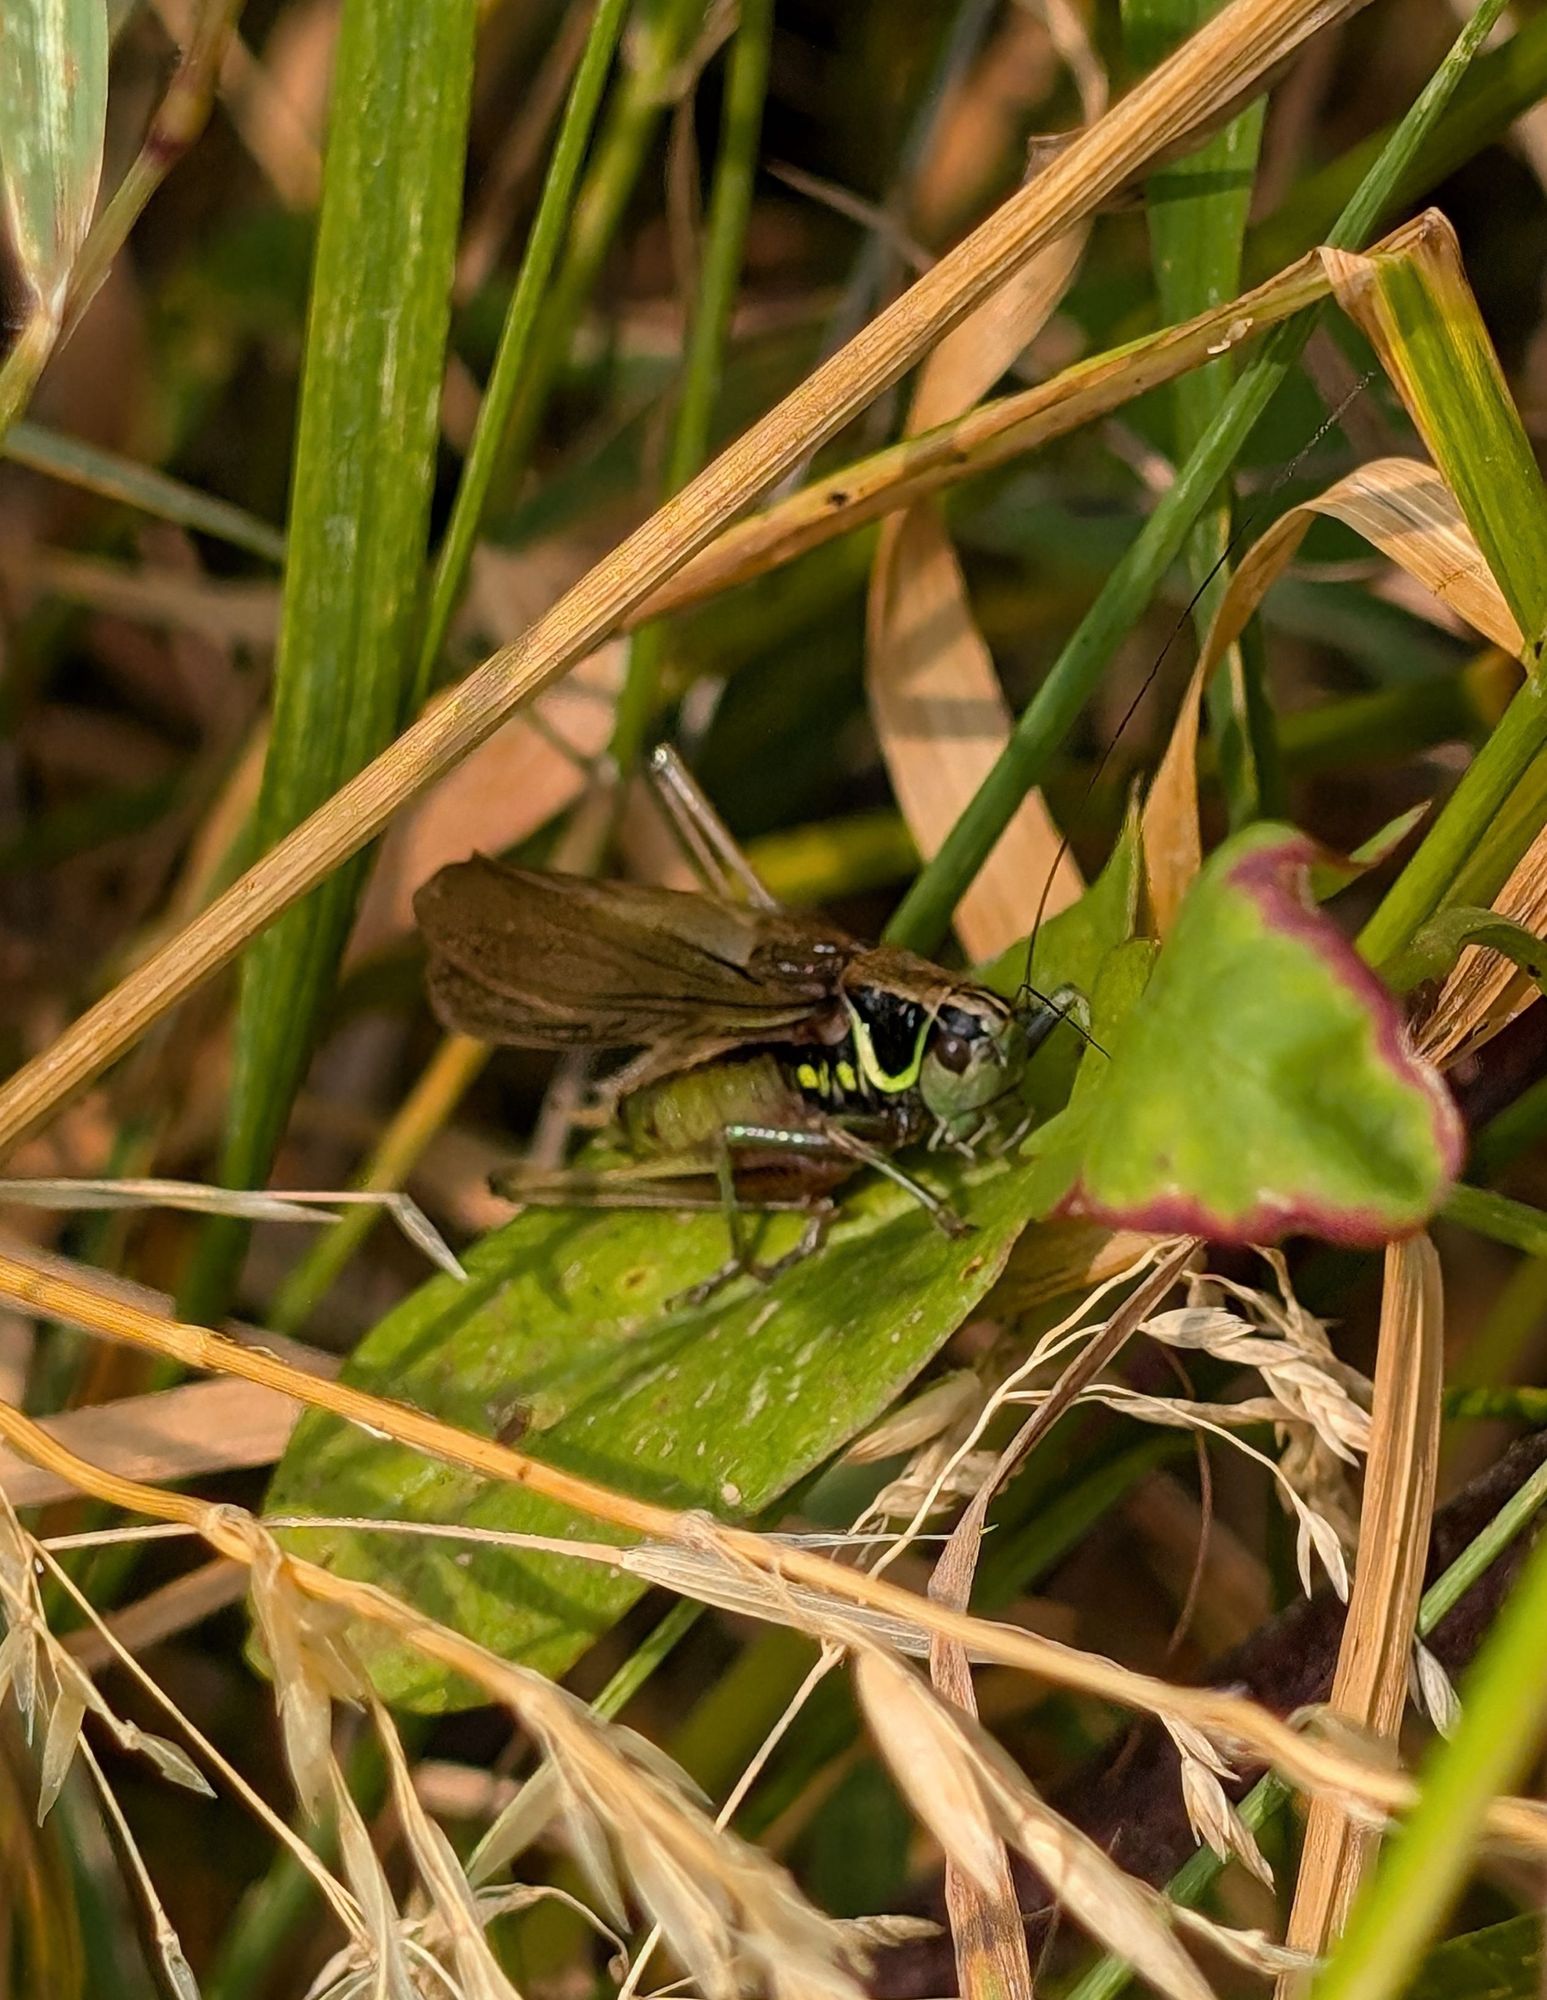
<point x="518" y="335"/>
<point x="1513" y="1131"/>
<point x="925" y="913"/>
<point x="1499" y="1218"/>
<point x="725" y="234"/>
<point x="658" y="43"/>
<point x="1450" y="843"/>
<point x="24" y="363"/>
<point x="1491" y="1402"/>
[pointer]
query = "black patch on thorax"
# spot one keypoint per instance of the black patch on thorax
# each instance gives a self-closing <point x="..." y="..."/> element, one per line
<point x="894" y="1022"/>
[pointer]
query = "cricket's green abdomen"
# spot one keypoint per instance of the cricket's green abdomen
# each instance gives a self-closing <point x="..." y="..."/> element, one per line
<point x="687" y="1113"/>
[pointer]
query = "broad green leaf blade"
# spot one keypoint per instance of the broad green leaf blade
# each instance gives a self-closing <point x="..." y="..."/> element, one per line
<point x="1262" y="1084"/>
<point x="566" y="1320"/>
<point x="364" y="466"/>
<point x="1071" y="949"/>
<point x="1333" y="873"/>
<point x="53" y="102"/>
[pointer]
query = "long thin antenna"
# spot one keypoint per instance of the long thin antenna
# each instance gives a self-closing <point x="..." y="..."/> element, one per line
<point x="1333" y="417"/>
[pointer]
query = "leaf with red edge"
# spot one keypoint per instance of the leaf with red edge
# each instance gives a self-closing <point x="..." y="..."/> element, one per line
<point x="1262" y="1084"/>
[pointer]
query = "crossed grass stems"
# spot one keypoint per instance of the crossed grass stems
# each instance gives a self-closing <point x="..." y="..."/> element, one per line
<point x="727" y="1910"/>
<point x="313" y="1668"/>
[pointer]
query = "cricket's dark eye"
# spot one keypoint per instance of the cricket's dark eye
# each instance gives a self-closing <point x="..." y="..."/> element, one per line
<point x="952" y="1052"/>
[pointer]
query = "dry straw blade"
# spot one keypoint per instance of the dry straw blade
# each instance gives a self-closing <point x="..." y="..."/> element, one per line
<point x="1239" y="46"/>
<point x="1196" y="217"/>
<point x="972" y="1798"/>
<point x="1418" y="312"/>
<point x="986" y="1924"/>
<point x="1370" y="1685"/>
<point x="755" y="1558"/>
<point x="988" y="435"/>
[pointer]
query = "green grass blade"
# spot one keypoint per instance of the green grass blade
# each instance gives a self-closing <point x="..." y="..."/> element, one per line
<point x="725" y="233"/>
<point x="364" y="463"/>
<point x="512" y="360"/>
<point x="1196" y="210"/>
<point x="659" y="40"/>
<point x="510" y="378"/>
<point x="94" y="470"/>
<point x="1421" y="315"/>
<point x="1503" y="1714"/>
<point x="1481" y="802"/>
<point x="924" y="914"/>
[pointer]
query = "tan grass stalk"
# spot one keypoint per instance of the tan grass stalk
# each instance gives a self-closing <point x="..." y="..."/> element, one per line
<point x="1370" y="1686"/>
<point x="989" y="435"/>
<point x="1305" y="1761"/>
<point x="1242" y="43"/>
<point x="188" y="1432"/>
<point x="973" y="1799"/>
<point x="116" y="1648"/>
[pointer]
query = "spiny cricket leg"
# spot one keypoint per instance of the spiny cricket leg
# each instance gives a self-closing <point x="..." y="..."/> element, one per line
<point x="741" y="1263"/>
<point x="835" y="1138"/>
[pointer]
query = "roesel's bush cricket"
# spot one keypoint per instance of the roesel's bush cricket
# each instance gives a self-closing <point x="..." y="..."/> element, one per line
<point x="777" y="1055"/>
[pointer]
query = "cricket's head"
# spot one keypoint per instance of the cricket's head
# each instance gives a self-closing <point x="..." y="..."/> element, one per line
<point x="973" y="1051"/>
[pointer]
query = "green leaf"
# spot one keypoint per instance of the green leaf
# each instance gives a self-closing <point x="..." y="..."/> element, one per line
<point x="53" y="103"/>
<point x="1332" y="873"/>
<point x="1261" y="1085"/>
<point x="1070" y="950"/>
<point x="1071" y="947"/>
<point x="567" y="1319"/>
<point x="1503" y="1962"/>
<point x="364" y="467"/>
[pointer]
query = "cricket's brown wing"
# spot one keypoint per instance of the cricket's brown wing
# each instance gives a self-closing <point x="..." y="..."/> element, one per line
<point x="559" y="961"/>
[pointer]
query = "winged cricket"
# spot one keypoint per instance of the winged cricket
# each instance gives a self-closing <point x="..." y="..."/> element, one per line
<point x="775" y="1055"/>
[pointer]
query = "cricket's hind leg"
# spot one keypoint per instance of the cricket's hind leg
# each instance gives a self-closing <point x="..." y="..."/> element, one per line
<point x="699" y="1182"/>
<point x="742" y="1263"/>
<point x="787" y="1153"/>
